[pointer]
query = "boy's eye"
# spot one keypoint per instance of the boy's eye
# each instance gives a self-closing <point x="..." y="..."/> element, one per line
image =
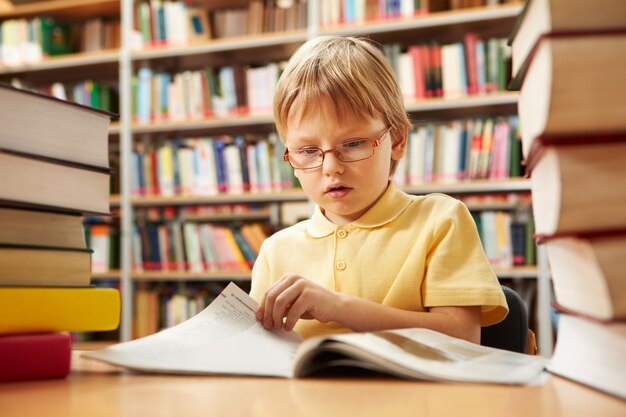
<point x="354" y="144"/>
<point x="308" y="151"/>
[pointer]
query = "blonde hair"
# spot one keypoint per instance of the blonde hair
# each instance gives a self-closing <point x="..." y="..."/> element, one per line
<point x="352" y="72"/>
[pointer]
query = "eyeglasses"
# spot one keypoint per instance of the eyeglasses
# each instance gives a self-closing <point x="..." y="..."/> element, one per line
<point x="310" y="157"/>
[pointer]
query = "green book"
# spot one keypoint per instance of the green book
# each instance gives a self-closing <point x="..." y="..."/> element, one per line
<point x="56" y="37"/>
<point x="531" y="248"/>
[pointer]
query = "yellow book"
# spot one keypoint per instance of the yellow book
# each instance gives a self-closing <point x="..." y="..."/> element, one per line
<point x="235" y="249"/>
<point x="48" y="309"/>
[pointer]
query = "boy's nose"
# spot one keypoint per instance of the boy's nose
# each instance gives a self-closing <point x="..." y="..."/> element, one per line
<point x="331" y="163"/>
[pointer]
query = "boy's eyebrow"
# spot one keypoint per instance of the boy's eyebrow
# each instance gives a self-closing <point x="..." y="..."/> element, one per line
<point x="339" y="138"/>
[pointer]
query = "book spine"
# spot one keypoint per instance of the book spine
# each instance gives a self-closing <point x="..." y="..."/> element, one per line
<point x="35" y="356"/>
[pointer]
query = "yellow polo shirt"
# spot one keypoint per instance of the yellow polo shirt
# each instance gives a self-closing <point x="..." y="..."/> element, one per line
<point x="408" y="252"/>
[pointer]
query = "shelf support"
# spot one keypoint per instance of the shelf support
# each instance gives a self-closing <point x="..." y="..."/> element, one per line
<point x="126" y="140"/>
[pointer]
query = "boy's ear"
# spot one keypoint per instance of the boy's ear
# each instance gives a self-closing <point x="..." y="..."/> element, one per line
<point x="399" y="147"/>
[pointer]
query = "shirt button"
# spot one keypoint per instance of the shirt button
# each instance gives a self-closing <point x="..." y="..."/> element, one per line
<point x="341" y="265"/>
<point x="342" y="233"/>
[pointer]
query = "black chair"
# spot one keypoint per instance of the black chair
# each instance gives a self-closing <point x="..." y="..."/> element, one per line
<point x="512" y="333"/>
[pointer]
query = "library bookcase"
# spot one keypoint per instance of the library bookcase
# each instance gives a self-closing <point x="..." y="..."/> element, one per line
<point x="122" y="65"/>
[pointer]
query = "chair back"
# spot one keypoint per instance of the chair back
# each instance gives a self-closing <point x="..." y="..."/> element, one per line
<point x="512" y="333"/>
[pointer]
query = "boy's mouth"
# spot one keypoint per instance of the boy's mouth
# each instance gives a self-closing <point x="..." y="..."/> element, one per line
<point x="337" y="190"/>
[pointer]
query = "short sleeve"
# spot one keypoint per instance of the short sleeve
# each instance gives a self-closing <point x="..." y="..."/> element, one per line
<point x="457" y="271"/>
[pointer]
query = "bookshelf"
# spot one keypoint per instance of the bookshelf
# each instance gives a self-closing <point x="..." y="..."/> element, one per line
<point x="122" y="63"/>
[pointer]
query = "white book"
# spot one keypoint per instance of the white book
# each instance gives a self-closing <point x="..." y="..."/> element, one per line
<point x="407" y="8"/>
<point x="234" y="176"/>
<point x="417" y="150"/>
<point x="185" y="170"/>
<point x="399" y="176"/>
<point x="488" y="225"/>
<point x="192" y="247"/>
<point x="176" y="99"/>
<point x="253" y="168"/>
<point x="209" y="251"/>
<point x="450" y="152"/>
<point x="263" y="160"/>
<point x="225" y="338"/>
<point x="406" y="76"/>
<point x="429" y="153"/>
<point x="206" y="180"/>
<point x="136" y="251"/>
<point x="451" y="71"/>
<point x="100" y="244"/>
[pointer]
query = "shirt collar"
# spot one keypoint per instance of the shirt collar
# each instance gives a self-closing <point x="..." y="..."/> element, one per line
<point x="387" y="208"/>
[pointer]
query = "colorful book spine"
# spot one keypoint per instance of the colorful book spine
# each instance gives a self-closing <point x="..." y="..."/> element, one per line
<point x="53" y="309"/>
<point x="34" y="356"/>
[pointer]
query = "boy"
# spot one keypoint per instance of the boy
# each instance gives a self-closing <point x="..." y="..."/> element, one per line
<point x="371" y="257"/>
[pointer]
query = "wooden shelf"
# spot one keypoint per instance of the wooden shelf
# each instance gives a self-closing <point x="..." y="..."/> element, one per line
<point x="243" y="121"/>
<point x="104" y="276"/>
<point x="244" y="198"/>
<point x="234" y="44"/>
<point x="114" y="200"/>
<point x="191" y="276"/>
<point x="476" y="102"/>
<point x="527" y="272"/>
<point x="485" y="186"/>
<point x="258" y="214"/>
<point x="496" y="206"/>
<point x="93" y="344"/>
<point x="65" y="61"/>
<point x="79" y="9"/>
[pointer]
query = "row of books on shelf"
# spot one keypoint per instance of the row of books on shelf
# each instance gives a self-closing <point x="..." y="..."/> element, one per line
<point x="195" y="95"/>
<point x="29" y="41"/>
<point x="195" y="247"/>
<point x="208" y="166"/>
<point x="569" y="63"/>
<point x="159" y="306"/>
<point x="97" y="94"/>
<point x="445" y="152"/>
<point x="507" y="238"/>
<point x="460" y="150"/>
<point x="176" y="23"/>
<point x="452" y="70"/>
<point x="340" y="12"/>
<point x="175" y="245"/>
<point x="45" y="265"/>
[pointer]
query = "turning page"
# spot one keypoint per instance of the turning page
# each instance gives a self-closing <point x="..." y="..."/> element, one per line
<point x="225" y="338"/>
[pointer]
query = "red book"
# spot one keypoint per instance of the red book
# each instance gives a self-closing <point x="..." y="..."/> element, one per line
<point x="418" y="70"/>
<point x="469" y="41"/>
<point x="34" y="356"/>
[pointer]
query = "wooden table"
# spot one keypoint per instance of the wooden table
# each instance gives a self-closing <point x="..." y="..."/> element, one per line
<point x="94" y="390"/>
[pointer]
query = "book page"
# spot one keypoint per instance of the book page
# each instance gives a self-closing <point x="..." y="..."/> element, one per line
<point x="420" y="354"/>
<point x="225" y="338"/>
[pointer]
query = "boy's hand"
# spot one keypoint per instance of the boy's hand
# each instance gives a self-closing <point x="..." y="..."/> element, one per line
<point x="292" y="298"/>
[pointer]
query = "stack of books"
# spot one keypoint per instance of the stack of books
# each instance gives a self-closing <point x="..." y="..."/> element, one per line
<point x="54" y="169"/>
<point x="569" y="59"/>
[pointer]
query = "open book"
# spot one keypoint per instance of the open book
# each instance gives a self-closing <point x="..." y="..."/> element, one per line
<point x="225" y="338"/>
